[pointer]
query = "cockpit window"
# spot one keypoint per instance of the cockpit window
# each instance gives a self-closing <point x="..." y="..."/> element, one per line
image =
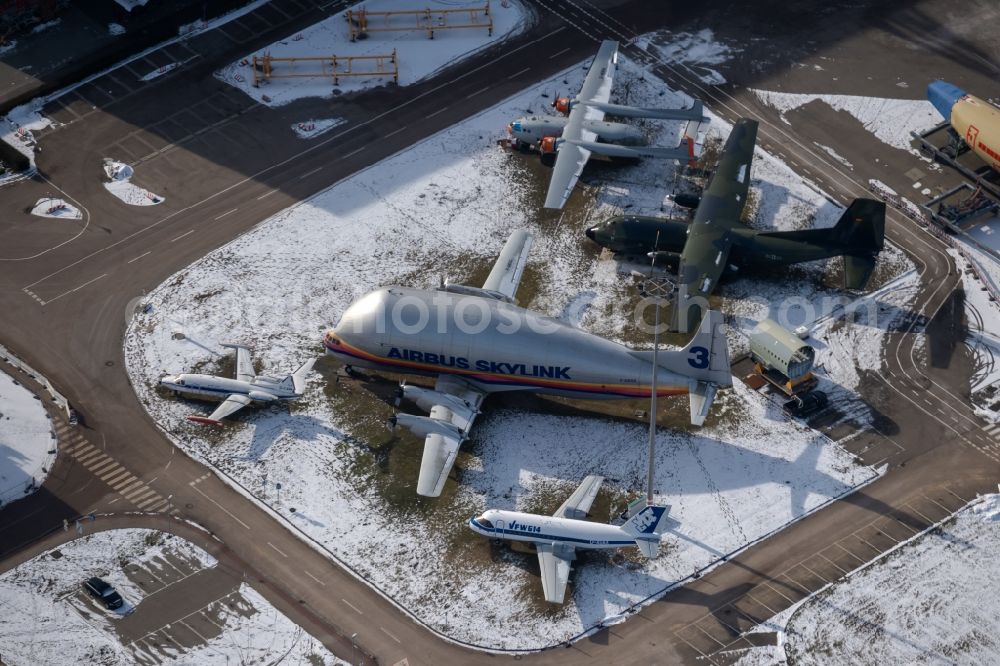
<point x="485" y="524"/>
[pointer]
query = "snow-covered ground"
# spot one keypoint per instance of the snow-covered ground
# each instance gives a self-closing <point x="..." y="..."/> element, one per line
<point x="932" y="600"/>
<point x="891" y="120"/>
<point x="417" y="56"/>
<point x="46" y="619"/>
<point x="57" y="208"/>
<point x="25" y="441"/>
<point x="120" y="184"/>
<point x="698" y="52"/>
<point x="455" y="198"/>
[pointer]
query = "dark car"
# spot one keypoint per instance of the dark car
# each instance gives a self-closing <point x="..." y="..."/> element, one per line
<point x="806" y="404"/>
<point x="98" y="589"/>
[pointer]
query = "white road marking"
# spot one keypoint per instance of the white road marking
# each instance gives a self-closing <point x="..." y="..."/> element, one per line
<point x="314" y="578"/>
<point x="67" y="293"/>
<point x="516" y="74"/>
<point x="276" y="549"/>
<point x="266" y="194"/>
<point x="353" y="152"/>
<point x="443" y="86"/>
<point x="556" y="55"/>
<point x="228" y="212"/>
<point x="386" y="631"/>
<point x="309" y="173"/>
<point x="441" y="110"/>
<point x="477" y="93"/>
<point x="228" y="512"/>
<point x="186" y="233"/>
<point x="395" y="131"/>
<point x="139" y="257"/>
<point x="355" y="608"/>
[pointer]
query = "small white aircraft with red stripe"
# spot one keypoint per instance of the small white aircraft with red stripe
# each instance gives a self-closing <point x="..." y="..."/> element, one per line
<point x="236" y="394"/>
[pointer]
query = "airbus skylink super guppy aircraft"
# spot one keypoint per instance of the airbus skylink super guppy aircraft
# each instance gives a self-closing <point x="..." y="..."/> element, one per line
<point x="477" y="341"/>
<point x="567" y="142"/>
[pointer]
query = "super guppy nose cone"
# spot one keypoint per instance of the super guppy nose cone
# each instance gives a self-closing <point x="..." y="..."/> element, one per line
<point x="943" y="96"/>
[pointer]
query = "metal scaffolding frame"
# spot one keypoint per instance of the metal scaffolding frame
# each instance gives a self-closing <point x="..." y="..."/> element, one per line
<point x="332" y="66"/>
<point x="359" y="21"/>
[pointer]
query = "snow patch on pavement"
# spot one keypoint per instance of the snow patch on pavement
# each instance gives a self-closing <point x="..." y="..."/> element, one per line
<point x="417" y="56"/>
<point x="58" y="208"/>
<point x="891" y="120"/>
<point x="120" y="185"/>
<point x="25" y="441"/>
<point x="698" y="52"/>
<point x="160" y="71"/>
<point x="313" y="128"/>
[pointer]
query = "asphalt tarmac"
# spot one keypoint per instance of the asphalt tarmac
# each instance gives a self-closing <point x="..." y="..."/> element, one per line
<point x="212" y="154"/>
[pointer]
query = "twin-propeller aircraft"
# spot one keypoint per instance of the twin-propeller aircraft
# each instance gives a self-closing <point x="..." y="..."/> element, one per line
<point x="567" y="142"/>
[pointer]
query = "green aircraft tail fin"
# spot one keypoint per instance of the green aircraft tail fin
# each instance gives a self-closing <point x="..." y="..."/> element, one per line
<point x="861" y="232"/>
<point x="862" y="227"/>
<point x="857" y="270"/>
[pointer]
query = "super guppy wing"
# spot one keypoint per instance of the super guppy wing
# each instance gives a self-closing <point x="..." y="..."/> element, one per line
<point x="509" y="267"/>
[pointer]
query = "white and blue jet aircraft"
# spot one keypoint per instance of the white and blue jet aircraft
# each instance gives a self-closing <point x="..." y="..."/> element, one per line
<point x="557" y="537"/>
<point x="236" y="394"/>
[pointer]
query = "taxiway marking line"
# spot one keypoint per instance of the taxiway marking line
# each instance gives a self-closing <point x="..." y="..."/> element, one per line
<point x="758" y="601"/>
<point x="309" y="173"/>
<point x="276" y="549"/>
<point x="139" y="257"/>
<point x="476" y="94"/>
<point x="842" y="570"/>
<point x="710" y="636"/>
<point x="943" y="507"/>
<point x="838" y="545"/>
<point x="314" y="578"/>
<point x="394" y="132"/>
<point x="67" y="293"/>
<point x="228" y="212"/>
<point x="228" y="512"/>
<point x="516" y="74"/>
<point x="186" y="233"/>
<point x="445" y="85"/>
<point x="441" y="110"/>
<point x="266" y="194"/>
<point x="355" y="608"/>
<point x="556" y="55"/>
<point x="386" y="632"/>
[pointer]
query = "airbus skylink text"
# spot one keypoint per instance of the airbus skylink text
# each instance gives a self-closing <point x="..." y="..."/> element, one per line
<point x="494" y="367"/>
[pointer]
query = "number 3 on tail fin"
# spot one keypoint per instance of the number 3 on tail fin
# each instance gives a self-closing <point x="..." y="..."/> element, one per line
<point x="699" y="358"/>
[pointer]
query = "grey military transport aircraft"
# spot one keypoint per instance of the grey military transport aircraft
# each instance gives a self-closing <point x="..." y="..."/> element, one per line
<point x="477" y="341"/>
<point x="566" y="142"/>
<point x="716" y="241"/>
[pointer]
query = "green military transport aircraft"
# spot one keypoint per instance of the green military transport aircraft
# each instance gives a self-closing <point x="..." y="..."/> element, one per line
<point x="716" y="240"/>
